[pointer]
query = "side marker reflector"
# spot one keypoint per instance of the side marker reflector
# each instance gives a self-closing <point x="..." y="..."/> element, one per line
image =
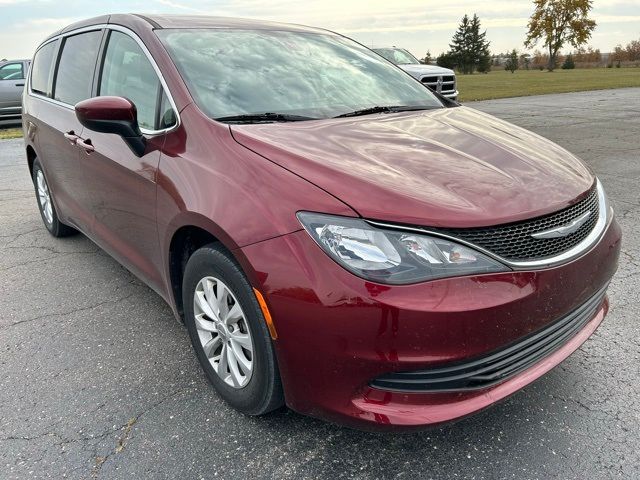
<point x="267" y="314"/>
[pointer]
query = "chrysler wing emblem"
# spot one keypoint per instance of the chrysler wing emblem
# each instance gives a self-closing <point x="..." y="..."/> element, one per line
<point x="563" y="230"/>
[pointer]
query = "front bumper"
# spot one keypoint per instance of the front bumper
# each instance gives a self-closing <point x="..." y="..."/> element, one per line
<point x="451" y="95"/>
<point x="337" y="332"/>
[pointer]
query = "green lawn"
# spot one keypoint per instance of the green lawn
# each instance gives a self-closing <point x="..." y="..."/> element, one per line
<point x="7" y="133"/>
<point x="501" y="83"/>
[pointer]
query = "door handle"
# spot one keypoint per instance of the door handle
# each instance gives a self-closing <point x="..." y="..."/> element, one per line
<point x="19" y="84"/>
<point x="71" y="136"/>
<point x="86" y="144"/>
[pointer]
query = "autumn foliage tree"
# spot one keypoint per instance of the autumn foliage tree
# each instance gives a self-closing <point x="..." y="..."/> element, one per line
<point x="587" y="55"/>
<point x="633" y="50"/>
<point x="558" y="22"/>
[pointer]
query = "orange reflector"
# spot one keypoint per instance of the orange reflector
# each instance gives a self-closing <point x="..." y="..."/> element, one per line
<point x="267" y="314"/>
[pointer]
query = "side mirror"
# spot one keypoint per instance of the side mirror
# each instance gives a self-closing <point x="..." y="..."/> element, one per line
<point x="113" y="115"/>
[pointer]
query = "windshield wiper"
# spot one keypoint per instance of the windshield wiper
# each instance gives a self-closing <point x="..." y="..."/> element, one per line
<point x="388" y="109"/>
<point x="264" y="117"/>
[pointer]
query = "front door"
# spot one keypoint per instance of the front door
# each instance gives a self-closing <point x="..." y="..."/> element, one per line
<point x="121" y="186"/>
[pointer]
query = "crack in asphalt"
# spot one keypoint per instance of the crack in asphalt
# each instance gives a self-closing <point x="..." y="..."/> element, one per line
<point x="68" y="312"/>
<point x="125" y="436"/>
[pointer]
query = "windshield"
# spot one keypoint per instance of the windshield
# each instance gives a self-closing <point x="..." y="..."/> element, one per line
<point x="398" y="56"/>
<point x="246" y="72"/>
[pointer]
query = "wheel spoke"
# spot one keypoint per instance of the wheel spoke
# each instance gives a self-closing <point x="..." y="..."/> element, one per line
<point x="234" y="314"/>
<point x="236" y="376"/>
<point x="240" y="356"/>
<point x="223" y="365"/>
<point x="204" y="306"/>
<point x="221" y="297"/>
<point x="209" y="295"/>
<point x="211" y="346"/>
<point x="244" y="339"/>
<point x="206" y="325"/>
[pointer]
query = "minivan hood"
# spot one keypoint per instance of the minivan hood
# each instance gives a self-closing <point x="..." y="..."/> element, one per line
<point x="453" y="167"/>
<point x="421" y="69"/>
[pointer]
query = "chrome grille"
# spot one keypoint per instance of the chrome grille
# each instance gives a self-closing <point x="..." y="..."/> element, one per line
<point x="514" y="242"/>
<point x="443" y="84"/>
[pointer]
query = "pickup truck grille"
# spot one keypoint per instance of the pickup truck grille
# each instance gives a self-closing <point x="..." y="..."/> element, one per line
<point x="443" y="84"/>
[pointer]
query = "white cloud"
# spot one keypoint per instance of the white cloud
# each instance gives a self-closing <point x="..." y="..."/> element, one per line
<point x="415" y="24"/>
<point x="30" y="33"/>
<point x="179" y="6"/>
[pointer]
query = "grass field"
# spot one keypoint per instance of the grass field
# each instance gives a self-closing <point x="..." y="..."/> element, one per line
<point x="502" y="84"/>
<point x="7" y="133"/>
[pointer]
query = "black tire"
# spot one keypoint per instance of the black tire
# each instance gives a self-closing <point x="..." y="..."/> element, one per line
<point x="263" y="391"/>
<point x="55" y="226"/>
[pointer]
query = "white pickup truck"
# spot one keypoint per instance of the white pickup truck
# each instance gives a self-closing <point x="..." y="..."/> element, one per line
<point x="438" y="79"/>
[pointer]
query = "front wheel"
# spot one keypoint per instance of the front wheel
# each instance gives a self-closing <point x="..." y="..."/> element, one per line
<point x="229" y="333"/>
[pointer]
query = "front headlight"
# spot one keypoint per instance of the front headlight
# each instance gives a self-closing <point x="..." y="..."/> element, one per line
<point x="393" y="257"/>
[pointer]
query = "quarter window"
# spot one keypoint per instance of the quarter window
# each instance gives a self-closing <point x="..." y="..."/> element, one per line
<point x="75" y="70"/>
<point x="12" y="71"/>
<point x="41" y="68"/>
<point x="127" y="72"/>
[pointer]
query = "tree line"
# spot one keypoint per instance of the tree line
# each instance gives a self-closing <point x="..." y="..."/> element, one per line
<point x="553" y="25"/>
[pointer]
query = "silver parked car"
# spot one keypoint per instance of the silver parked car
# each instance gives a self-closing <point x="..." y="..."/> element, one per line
<point x="438" y="79"/>
<point x="12" y="78"/>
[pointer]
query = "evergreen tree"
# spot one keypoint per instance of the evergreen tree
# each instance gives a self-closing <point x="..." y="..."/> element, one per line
<point x="512" y="61"/>
<point x="446" y="60"/>
<point x="470" y="47"/>
<point x="479" y="46"/>
<point x="461" y="48"/>
<point x="568" y="64"/>
<point x="484" y="63"/>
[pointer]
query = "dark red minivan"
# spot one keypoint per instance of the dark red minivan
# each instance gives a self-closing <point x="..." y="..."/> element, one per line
<point x="334" y="235"/>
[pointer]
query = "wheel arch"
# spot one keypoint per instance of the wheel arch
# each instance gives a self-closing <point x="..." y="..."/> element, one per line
<point x="189" y="233"/>
<point x="31" y="158"/>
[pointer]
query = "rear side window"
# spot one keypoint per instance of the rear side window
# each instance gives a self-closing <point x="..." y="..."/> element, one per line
<point x="127" y="72"/>
<point x="41" y="68"/>
<point x="75" y="69"/>
<point x="11" y="71"/>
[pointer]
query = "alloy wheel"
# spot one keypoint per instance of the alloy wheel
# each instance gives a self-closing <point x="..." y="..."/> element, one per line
<point x="44" y="197"/>
<point x="223" y="331"/>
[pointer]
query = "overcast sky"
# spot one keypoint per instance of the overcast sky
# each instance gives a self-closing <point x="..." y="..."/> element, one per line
<point x="418" y="25"/>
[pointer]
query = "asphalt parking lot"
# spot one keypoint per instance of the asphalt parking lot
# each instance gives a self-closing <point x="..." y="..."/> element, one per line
<point x="98" y="380"/>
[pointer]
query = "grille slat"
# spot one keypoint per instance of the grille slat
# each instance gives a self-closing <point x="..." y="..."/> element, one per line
<point x="498" y="366"/>
<point x="514" y="241"/>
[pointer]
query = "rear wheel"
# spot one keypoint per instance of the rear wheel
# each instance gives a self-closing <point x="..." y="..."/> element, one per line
<point x="46" y="206"/>
<point x="229" y="333"/>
